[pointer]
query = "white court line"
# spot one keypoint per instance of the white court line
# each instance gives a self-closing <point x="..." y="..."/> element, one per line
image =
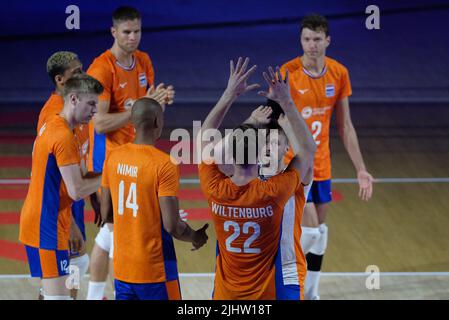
<point x="324" y="274"/>
<point x="337" y="180"/>
<point x="355" y="181"/>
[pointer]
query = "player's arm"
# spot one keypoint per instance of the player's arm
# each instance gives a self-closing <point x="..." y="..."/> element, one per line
<point x="279" y="91"/>
<point x="77" y="186"/>
<point x="107" y="213"/>
<point x="236" y="86"/>
<point x="105" y="122"/>
<point x="175" y="226"/>
<point x="349" y="137"/>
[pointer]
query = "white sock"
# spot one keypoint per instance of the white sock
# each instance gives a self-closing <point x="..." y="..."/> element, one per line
<point x="48" y="297"/>
<point x="311" y="285"/>
<point x="96" y="290"/>
<point x="309" y="237"/>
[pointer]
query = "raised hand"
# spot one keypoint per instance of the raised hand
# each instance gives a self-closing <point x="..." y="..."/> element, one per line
<point x="278" y="88"/>
<point x="237" y="84"/>
<point x="365" y="185"/>
<point x="261" y="115"/>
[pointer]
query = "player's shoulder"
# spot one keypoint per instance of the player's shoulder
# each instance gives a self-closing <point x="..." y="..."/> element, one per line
<point x="292" y="65"/>
<point x="142" y="56"/>
<point x="55" y="129"/>
<point x="103" y="61"/>
<point x="334" y="65"/>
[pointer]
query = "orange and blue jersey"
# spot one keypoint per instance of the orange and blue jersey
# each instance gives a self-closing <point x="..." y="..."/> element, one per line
<point x="137" y="175"/>
<point x="248" y="223"/>
<point x="315" y="97"/>
<point x="53" y="106"/>
<point x="122" y="86"/>
<point x="46" y="213"/>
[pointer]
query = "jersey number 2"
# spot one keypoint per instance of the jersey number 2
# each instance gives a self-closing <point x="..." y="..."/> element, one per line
<point x="235" y="235"/>
<point x="131" y="200"/>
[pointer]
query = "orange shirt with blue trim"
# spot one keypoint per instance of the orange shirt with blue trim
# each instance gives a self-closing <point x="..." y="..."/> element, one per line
<point x="46" y="213"/>
<point x="137" y="175"/>
<point x="248" y="224"/>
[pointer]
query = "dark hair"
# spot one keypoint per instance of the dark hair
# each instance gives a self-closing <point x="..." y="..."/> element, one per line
<point x="125" y="14"/>
<point x="83" y="84"/>
<point x="315" y="22"/>
<point x="245" y="136"/>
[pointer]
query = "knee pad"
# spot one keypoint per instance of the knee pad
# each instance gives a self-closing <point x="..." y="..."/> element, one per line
<point x="103" y="238"/>
<point x="309" y="237"/>
<point x="111" y="251"/>
<point x="321" y="244"/>
<point x="82" y="263"/>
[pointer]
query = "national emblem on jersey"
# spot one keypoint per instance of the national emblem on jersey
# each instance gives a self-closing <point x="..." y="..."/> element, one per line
<point x="143" y="80"/>
<point x="330" y="90"/>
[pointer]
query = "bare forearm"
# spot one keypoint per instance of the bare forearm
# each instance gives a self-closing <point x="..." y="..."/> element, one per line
<point x="107" y="122"/>
<point x="88" y="186"/>
<point x="292" y="139"/>
<point x="299" y="128"/>
<point x="351" y="143"/>
<point x="217" y="114"/>
<point x="183" y="232"/>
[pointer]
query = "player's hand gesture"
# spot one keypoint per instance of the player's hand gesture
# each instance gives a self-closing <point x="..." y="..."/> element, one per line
<point x="261" y="115"/>
<point x="365" y="185"/>
<point x="76" y="241"/>
<point x="200" y="237"/>
<point x="278" y="87"/>
<point x="160" y="94"/>
<point x="237" y="84"/>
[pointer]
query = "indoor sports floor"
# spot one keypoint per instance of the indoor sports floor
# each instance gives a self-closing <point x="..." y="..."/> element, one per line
<point x="403" y="230"/>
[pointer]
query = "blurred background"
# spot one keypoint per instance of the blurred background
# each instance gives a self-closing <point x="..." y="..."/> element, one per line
<point x="399" y="106"/>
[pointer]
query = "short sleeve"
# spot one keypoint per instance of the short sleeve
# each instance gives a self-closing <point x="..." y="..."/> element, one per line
<point x="168" y="182"/>
<point x="284" y="185"/>
<point x="149" y="70"/>
<point x="65" y="150"/>
<point x="102" y="73"/>
<point x="345" y="85"/>
<point x="210" y="176"/>
<point x="105" y="174"/>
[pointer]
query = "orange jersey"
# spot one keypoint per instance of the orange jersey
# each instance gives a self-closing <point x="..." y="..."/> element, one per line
<point x="137" y="175"/>
<point x="248" y="221"/>
<point x="46" y="214"/>
<point x="54" y="105"/>
<point x="122" y="86"/>
<point x="294" y="265"/>
<point x="315" y="98"/>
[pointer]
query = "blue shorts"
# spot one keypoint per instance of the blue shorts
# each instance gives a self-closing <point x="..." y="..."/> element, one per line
<point x="147" y="291"/>
<point x="288" y="292"/>
<point x="320" y="192"/>
<point x="45" y="263"/>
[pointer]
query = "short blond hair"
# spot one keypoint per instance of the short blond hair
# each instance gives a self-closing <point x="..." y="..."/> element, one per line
<point x="82" y="84"/>
<point x="59" y="62"/>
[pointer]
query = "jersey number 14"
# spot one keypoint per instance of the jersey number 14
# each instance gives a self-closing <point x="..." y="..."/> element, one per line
<point x="131" y="199"/>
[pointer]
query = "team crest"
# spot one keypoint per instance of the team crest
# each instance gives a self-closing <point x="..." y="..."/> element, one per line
<point x="143" y="80"/>
<point x="330" y="90"/>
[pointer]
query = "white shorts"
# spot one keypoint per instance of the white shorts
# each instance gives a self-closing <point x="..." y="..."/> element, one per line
<point x="103" y="238"/>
